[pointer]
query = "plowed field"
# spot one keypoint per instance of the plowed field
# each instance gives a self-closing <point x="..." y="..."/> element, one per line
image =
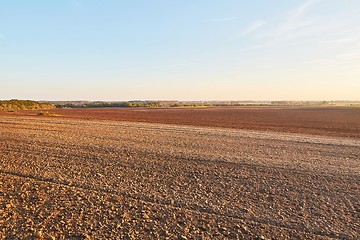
<point x="87" y="175"/>
<point x="330" y="121"/>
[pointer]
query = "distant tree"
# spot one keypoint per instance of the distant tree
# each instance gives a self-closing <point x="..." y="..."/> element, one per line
<point x="15" y="104"/>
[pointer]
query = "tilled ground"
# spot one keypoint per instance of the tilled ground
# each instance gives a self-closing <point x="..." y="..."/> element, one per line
<point x="77" y="179"/>
<point x="326" y="121"/>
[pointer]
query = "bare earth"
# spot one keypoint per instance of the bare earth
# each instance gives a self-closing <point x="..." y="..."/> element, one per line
<point x="328" y="121"/>
<point x="71" y="178"/>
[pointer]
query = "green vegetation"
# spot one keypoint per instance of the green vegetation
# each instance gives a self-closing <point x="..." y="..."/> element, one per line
<point x="47" y="114"/>
<point x="108" y="104"/>
<point x="14" y="105"/>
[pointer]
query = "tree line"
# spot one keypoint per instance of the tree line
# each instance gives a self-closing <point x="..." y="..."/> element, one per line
<point x="15" y="104"/>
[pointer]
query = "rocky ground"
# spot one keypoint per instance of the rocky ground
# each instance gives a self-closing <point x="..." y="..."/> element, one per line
<point x="78" y="179"/>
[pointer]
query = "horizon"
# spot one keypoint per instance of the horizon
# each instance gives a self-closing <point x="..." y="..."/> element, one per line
<point x="299" y="50"/>
<point x="172" y="100"/>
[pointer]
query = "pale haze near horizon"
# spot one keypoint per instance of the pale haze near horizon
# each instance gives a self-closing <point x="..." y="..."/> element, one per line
<point x="180" y="50"/>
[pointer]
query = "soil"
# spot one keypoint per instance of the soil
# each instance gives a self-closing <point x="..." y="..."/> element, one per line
<point x="329" y="121"/>
<point x="101" y="178"/>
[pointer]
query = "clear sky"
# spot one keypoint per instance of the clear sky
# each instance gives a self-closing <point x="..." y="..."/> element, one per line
<point x="180" y="49"/>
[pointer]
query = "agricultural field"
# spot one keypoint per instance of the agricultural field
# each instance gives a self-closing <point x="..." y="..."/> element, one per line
<point x="180" y="173"/>
<point x="328" y="121"/>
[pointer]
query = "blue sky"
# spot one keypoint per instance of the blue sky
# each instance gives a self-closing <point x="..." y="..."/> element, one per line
<point x="180" y="50"/>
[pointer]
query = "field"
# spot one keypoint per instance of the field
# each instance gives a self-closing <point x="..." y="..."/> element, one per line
<point x="210" y="173"/>
<point x="328" y="121"/>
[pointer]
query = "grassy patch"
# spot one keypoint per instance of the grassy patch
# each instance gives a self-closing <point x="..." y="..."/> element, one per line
<point x="47" y="114"/>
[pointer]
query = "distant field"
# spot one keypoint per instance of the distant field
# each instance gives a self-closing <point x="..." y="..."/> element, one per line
<point x="328" y="121"/>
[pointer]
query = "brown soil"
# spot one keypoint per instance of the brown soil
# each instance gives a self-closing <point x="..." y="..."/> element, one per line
<point x="63" y="178"/>
<point x="329" y="121"/>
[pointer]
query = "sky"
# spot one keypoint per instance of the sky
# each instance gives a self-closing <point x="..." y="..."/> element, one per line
<point x="180" y="50"/>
